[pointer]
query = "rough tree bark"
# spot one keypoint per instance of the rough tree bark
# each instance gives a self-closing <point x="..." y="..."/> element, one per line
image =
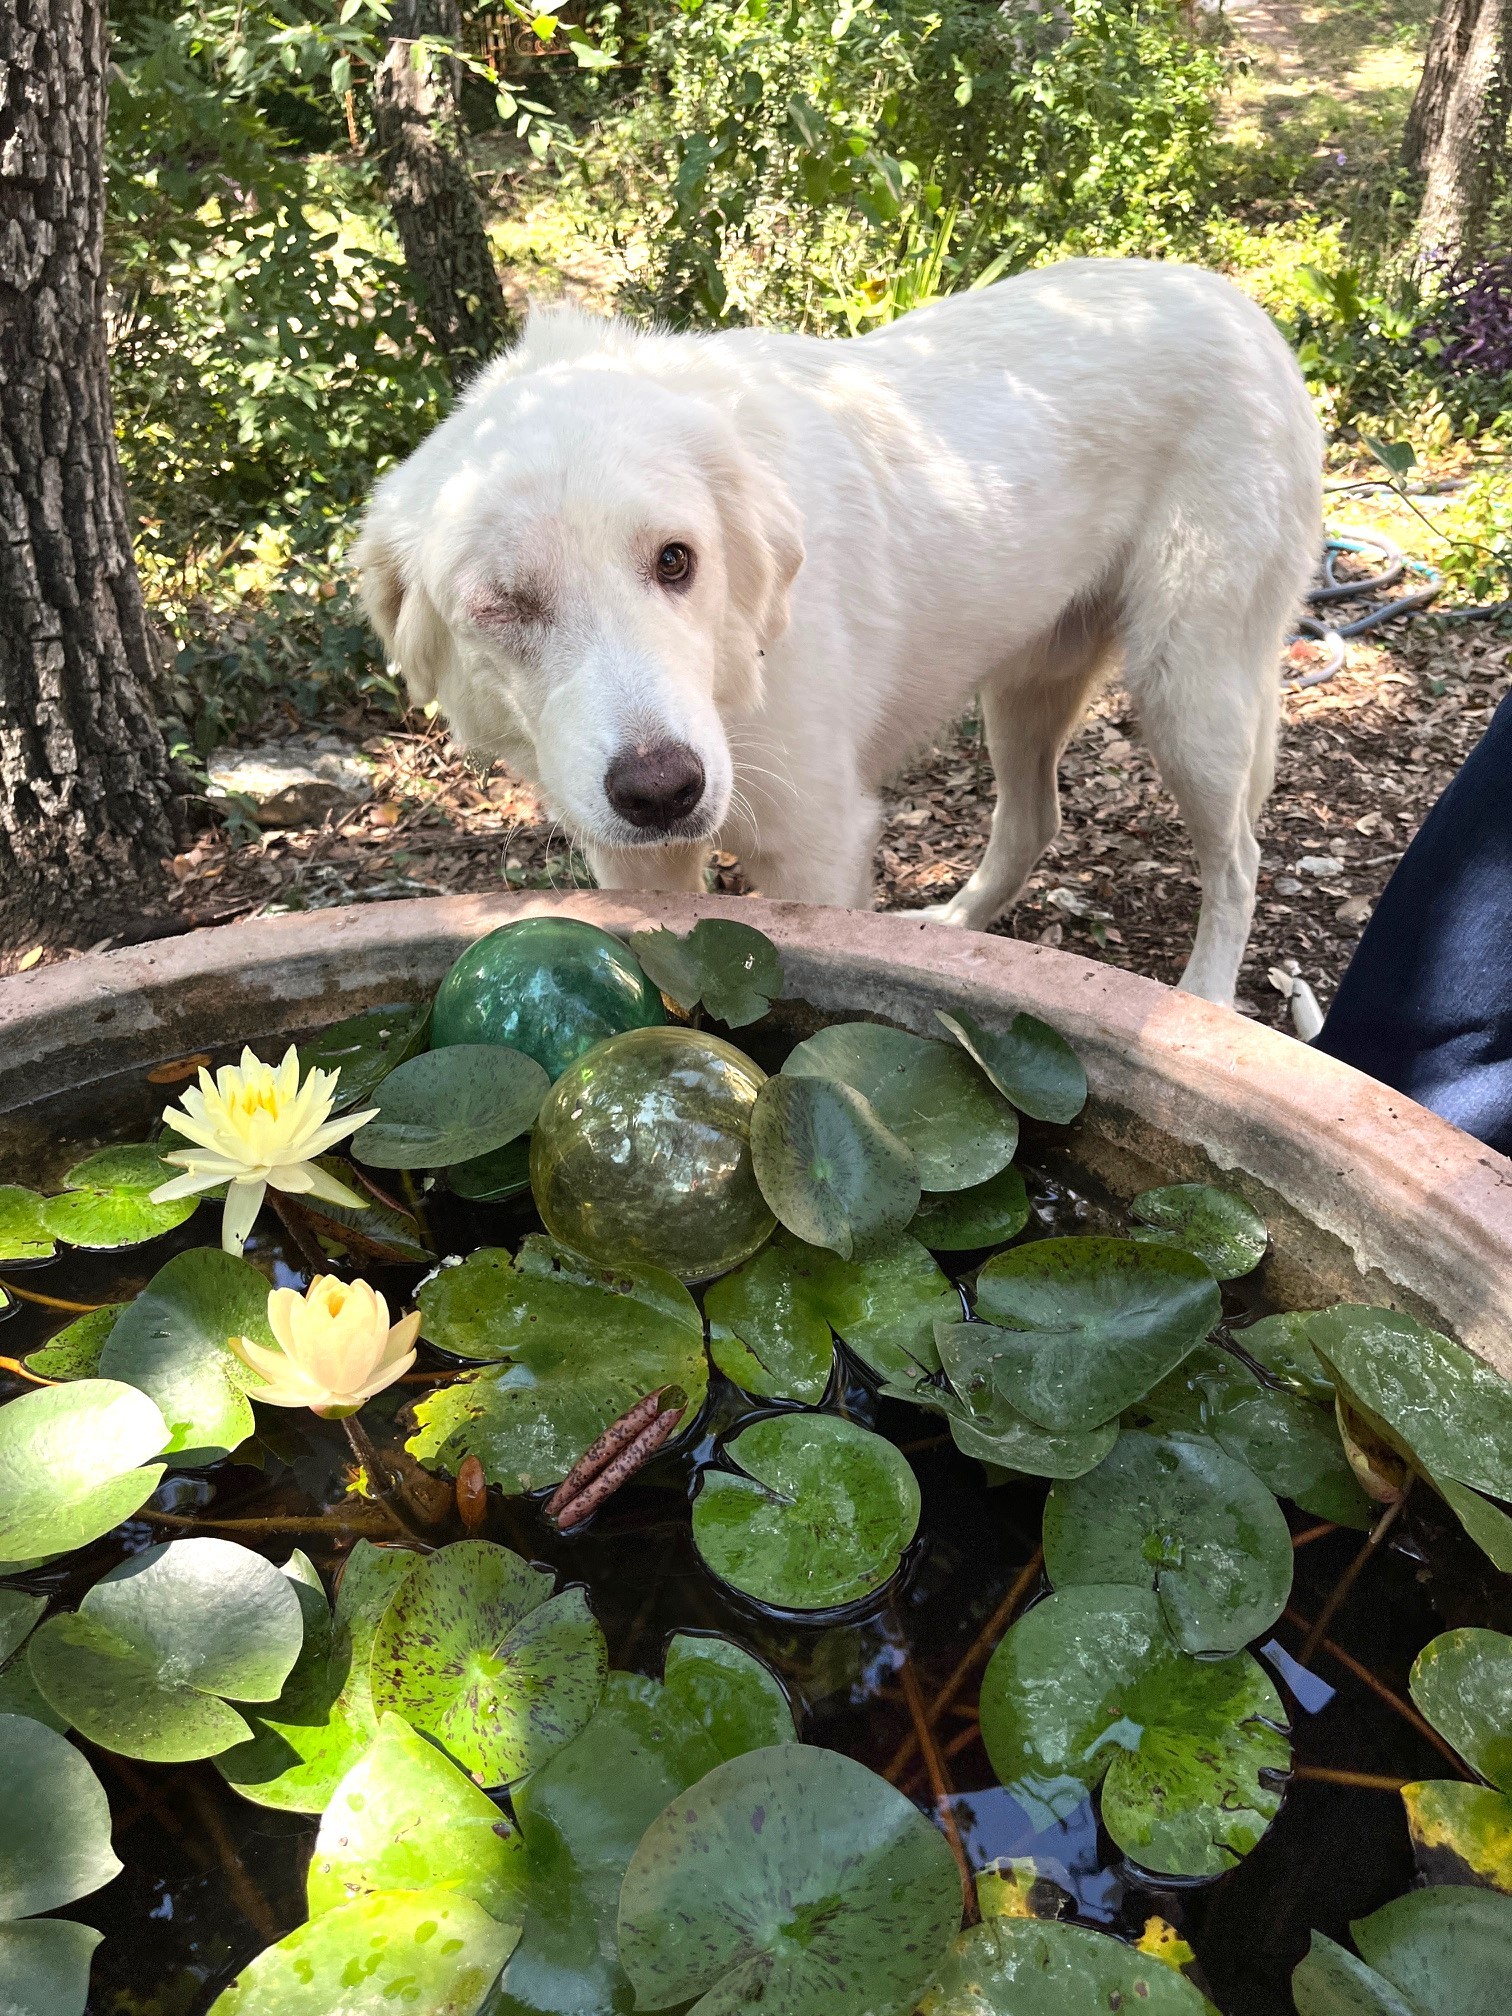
<point x="418" y="122"/>
<point x="1457" y="129"/>
<point x="86" y="792"/>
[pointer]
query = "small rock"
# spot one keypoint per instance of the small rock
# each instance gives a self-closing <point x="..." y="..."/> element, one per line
<point x="293" y="783"/>
<point x="1353" y="910"/>
<point x="1286" y="885"/>
<point x="1321" y="865"/>
<point x="1052" y="934"/>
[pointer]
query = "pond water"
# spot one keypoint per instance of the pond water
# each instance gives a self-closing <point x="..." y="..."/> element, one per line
<point x="210" y="1879"/>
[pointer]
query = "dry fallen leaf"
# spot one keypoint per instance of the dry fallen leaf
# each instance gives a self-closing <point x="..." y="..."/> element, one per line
<point x="180" y="1069"/>
<point x="29" y="959"/>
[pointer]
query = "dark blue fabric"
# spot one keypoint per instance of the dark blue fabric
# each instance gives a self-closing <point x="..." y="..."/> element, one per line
<point x="1426" y="1004"/>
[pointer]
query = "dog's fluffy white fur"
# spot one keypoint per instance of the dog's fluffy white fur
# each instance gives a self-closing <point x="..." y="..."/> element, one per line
<point x="1004" y="493"/>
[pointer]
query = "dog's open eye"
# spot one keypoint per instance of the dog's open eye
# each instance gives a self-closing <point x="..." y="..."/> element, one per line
<point x="674" y="565"/>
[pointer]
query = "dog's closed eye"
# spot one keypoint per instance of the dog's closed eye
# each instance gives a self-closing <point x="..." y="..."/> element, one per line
<point x="525" y="606"/>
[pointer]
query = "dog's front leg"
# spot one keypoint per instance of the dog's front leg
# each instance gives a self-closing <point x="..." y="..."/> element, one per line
<point x="671" y="870"/>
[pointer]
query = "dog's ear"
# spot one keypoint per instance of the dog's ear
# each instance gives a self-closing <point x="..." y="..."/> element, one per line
<point x="763" y="547"/>
<point x="411" y="628"/>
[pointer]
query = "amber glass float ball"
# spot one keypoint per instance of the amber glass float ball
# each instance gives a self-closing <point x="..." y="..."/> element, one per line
<point x="642" y="1154"/>
<point x="549" y="986"/>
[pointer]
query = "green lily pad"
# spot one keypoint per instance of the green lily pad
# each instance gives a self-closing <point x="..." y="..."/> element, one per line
<point x="1460" y="1833"/>
<point x="738" y="1700"/>
<point x="54" y="1847"/>
<point x="69" y="1465"/>
<point x="405" y="1818"/>
<point x="1029" y="1064"/>
<point x="1174" y="1513"/>
<point x="429" y="1950"/>
<point x="1290" y="1442"/>
<point x="794" y="1879"/>
<point x="1331" y="1981"/>
<point x="451" y="1105"/>
<point x="1037" y="1967"/>
<point x="54" y="1822"/>
<point x="107" y="1200"/>
<point x="960" y="1128"/>
<point x="1222" y="1229"/>
<point x="323" y="1721"/>
<point x="828" y="1167"/>
<point x="74" y="1351"/>
<point x="579" y="1345"/>
<point x="146" y="1664"/>
<point x="1462" y="1682"/>
<point x="1443" y="1408"/>
<point x="1488" y="1526"/>
<point x="1088" y="1689"/>
<point x="988" y="1427"/>
<point x="767" y="1329"/>
<point x="734" y="970"/>
<point x="885" y="1307"/>
<point x="476" y="1652"/>
<point x="582" y="1815"/>
<point x="817" y="1515"/>
<point x="23" y="1226"/>
<point x="1091" y="1324"/>
<point x="489" y="1179"/>
<point x="19" y="1694"/>
<point x="365" y="1048"/>
<point x="1445" y="1949"/>
<point x="44" y="1964"/>
<point x="173" y="1342"/>
<point x="988" y="1214"/>
<point x="1280" y="1345"/>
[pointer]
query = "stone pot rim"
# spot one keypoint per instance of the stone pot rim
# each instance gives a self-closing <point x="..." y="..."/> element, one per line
<point x="1422" y="1211"/>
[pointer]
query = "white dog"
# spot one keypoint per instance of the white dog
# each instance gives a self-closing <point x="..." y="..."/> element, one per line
<point x="700" y="586"/>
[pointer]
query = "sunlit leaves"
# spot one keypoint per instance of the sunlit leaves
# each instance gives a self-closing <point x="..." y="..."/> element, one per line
<point x="475" y="1652"/>
<point x="451" y="1105"/>
<point x="830" y="1170"/>
<point x="161" y="1645"/>
<point x="816" y="1515"/>
<point x="577" y="1346"/>
<point x="430" y="1950"/>
<point x="1222" y="1229"/>
<point x="930" y="1095"/>
<point x="1028" y="1063"/>
<point x="1174" y="1513"/>
<point x="1089" y="1325"/>
<point x="735" y="972"/>
<point x="1462" y="1682"/>
<point x="74" y="1351"/>
<point x="793" y="1879"/>
<point x="54" y="1848"/>
<point x="1460" y="1833"/>
<point x="107" y="1200"/>
<point x="1089" y="1689"/>
<point x="71" y="1465"/>
<point x="1031" y="1967"/>
<point x="173" y="1342"/>
<point x="23" y="1228"/>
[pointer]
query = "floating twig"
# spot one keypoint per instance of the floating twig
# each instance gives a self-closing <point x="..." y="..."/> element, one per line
<point x="996" y="1624"/>
<point x="624" y="1447"/>
<point x="329" y="1522"/>
<point x="939" y="1784"/>
<point x="1364" y="1781"/>
<point x="1340" y="1593"/>
<point x="52" y="1301"/>
<point x="1379" y="1688"/>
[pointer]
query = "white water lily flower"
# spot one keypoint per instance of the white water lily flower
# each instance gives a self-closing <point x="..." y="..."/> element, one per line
<point x="338" y="1347"/>
<point x="253" y="1125"/>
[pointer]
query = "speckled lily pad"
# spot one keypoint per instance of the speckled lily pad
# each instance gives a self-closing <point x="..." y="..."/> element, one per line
<point x="1225" y="1231"/>
<point x="1032" y="1967"/>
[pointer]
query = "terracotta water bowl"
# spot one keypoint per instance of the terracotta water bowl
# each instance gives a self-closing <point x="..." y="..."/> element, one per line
<point x="1368" y="1196"/>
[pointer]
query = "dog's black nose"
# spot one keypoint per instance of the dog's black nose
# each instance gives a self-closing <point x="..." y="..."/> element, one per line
<point x="655" y="786"/>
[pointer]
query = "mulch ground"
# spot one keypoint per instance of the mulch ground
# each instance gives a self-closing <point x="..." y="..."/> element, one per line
<point x="1362" y="759"/>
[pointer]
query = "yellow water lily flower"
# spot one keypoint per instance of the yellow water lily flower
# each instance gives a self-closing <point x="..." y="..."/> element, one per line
<point x="254" y="1124"/>
<point x="338" y="1347"/>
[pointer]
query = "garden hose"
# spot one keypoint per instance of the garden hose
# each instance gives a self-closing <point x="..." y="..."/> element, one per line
<point x="1335" y="635"/>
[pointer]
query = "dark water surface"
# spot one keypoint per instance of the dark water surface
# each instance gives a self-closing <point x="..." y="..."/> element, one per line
<point x="211" y="1878"/>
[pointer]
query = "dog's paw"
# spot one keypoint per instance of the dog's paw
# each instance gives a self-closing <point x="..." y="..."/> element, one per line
<point x="942" y="913"/>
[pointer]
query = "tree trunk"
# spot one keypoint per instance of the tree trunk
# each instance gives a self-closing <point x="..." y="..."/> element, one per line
<point x="1446" y="52"/>
<point x="1468" y="149"/>
<point x="418" y="121"/>
<point x="86" y="791"/>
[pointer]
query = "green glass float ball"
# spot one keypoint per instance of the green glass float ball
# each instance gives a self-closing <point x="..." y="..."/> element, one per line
<point x="549" y="986"/>
<point x="642" y="1154"/>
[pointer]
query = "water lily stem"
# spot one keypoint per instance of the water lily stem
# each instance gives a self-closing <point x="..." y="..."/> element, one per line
<point x="985" y="1639"/>
<point x="1381" y="1691"/>
<point x="15" y="1365"/>
<point x="299" y="1230"/>
<point x="1340" y="1593"/>
<point x="328" y="1522"/>
<point x="382" y="1480"/>
<point x="245" y="1894"/>
<point x="52" y="1301"/>
<point x="939" y="1785"/>
<point x="1364" y="1781"/>
<point x="1310" y="1533"/>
